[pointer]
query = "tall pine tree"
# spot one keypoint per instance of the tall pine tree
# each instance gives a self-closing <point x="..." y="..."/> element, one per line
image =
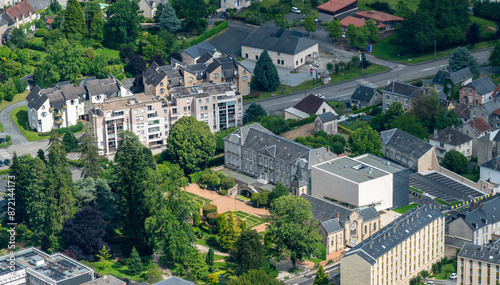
<point x="167" y="19"/>
<point x="134" y="263"/>
<point x="89" y="155"/>
<point x="74" y="22"/>
<point x="230" y="232"/>
<point x="265" y="75"/>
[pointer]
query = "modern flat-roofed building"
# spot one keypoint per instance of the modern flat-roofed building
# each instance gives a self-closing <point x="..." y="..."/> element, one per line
<point x="478" y="264"/>
<point x="33" y="266"/>
<point x="398" y="252"/>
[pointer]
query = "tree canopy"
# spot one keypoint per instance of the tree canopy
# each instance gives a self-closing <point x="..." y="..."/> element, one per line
<point x="255" y="277"/>
<point x="494" y="57"/>
<point x="122" y="23"/>
<point x="462" y="58"/>
<point x="365" y="140"/>
<point x="265" y="75"/>
<point x="455" y="161"/>
<point x="74" y="22"/>
<point x="334" y="29"/>
<point x="253" y="111"/>
<point x="248" y="251"/>
<point x="166" y="18"/>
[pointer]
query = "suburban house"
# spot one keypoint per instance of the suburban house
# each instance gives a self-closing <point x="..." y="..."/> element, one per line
<point x="448" y="139"/>
<point x="350" y="20"/>
<point x="335" y="7"/>
<point x="400" y="92"/>
<point x="474" y="259"/>
<point x="285" y="47"/>
<point x="407" y="150"/>
<point x="384" y="21"/>
<point x="256" y="152"/>
<point x="341" y="227"/>
<point x="365" y="96"/>
<point x="478" y="91"/>
<point x="106" y="280"/>
<point x="326" y="122"/>
<point x="487" y="111"/>
<point x="479" y="224"/>
<point x="398" y="252"/>
<point x="310" y="105"/>
<point x="464" y="112"/>
<point x="234" y="4"/>
<point x="21" y="14"/>
<point x="496" y="91"/>
<point x="476" y="129"/>
<point x="39" y="5"/>
<point x="488" y="147"/>
<point x="490" y="171"/>
<point x="192" y="54"/>
<point x="360" y="182"/>
<point x="446" y="81"/>
<point x="149" y="7"/>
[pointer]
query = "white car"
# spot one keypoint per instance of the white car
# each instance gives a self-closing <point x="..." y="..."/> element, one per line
<point x="295" y="10"/>
<point x="429" y="282"/>
<point x="320" y="96"/>
<point x="453" y="276"/>
<point x="343" y="34"/>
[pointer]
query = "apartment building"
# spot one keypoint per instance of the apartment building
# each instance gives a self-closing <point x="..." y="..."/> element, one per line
<point x="478" y="264"/>
<point x="35" y="267"/>
<point x="398" y="252"/>
<point x="400" y="92"/>
<point x="448" y="139"/>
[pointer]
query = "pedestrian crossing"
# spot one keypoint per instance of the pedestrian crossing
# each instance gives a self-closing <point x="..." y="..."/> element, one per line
<point x="4" y="154"/>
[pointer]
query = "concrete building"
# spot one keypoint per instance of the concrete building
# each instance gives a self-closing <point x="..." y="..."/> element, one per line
<point x="326" y="122"/>
<point x="33" y="266"/>
<point x="407" y="150"/>
<point x="477" y="129"/>
<point x="365" y="96"/>
<point x="479" y="224"/>
<point x="341" y="227"/>
<point x="448" y="139"/>
<point x="310" y="105"/>
<point x="400" y="92"/>
<point x="490" y="171"/>
<point x="398" y="252"/>
<point x="478" y="264"/>
<point x="255" y="151"/>
<point x="478" y="91"/>
<point x="335" y="7"/>
<point x="285" y="47"/>
<point x="384" y="21"/>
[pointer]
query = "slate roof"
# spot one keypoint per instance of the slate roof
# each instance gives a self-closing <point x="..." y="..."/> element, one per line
<point x="154" y="75"/>
<point x="440" y="76"/>
<point x="492" y="164"/>
<point x="454" y="241"/>
<point x="461" y="75"/>
<point x="483" y="215"/>
<point x="36" y="98"/>
<point x="451" y="136"/>
<point x="3" y="22"/>
<point x="174" y="281"/>
<point x="105" y="280"/>
<point x="73" y="92"/>
<point x="479" y="125"/>
<point x="327" y="117"/>
<point x="483" y="85"/>
<point x="462" y="110"/>
<point x="395" y="233"/>
<point x="204" y="58"/>
<point x="405" y="142"/>
<point x="39" y="4"/>
<point x="403" y="89"/>
<point x="19" y="10"/>
<point x="490" y="106"/>
<point x="488" y="253"/>
<point x="332" y="226"/>
<point x="364" y="93"/>
<point x="102" y="86"/>
<point x="278" y="40"/>
<point x="310" y="104"/>
<point x="200" y="49"/>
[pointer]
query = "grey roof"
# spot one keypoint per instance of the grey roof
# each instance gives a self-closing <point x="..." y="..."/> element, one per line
<point x="483" y="85"/>
<point x="485" y="213"/>
<point x="154" y="75"/>
<point x="440" y="76"/>
<point x="36" y="98"/>
<point x="309" y="104"/>
<point x="213" y="66"/>
<point x="490" y="107"/>
<point x="39" y="4"/>
<point x="381" y="163"/>
<point x="332" y="226"/>
<point x="492" y="164"/>
<point x="204" y="58"/>
<point x="278" y="40"/>
<point x="200" y="49"/>
<point x="174" y="281"/>
<point x="105" y="280"/>
<point x="487" y="253"/>
<point x="327" y="117"/>
<point x="73" y="92"/>
<point x="154" y="3"/>
<point x="461" y="75"/>
<point x="403" y="89"/>
<point x="454" y="241"/>
<point x="102" y="86"/>
<point x="351" y="169"/>
<point x="451" y="136"/>
<point x="3" y="22"/>
<point x="364" y="93"/>
<point x="395" y="233"/>
<point x="405" y="142"/>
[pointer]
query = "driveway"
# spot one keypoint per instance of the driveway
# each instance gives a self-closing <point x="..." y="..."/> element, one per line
<point x="9" y="126"/>
<point x="287" y="78"/>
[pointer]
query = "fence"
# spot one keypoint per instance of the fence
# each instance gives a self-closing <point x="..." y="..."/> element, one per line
<point x="470" y="202"/>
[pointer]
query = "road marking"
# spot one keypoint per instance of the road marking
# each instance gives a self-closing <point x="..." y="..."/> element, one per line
<point x="431" y="68"/>
<point x="5" y="154"/>
<point x="367" y="83"/>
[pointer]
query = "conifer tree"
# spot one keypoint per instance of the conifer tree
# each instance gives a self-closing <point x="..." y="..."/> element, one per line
<point x="134" y="264"/>
<point x="37" y="202"/>
<point x="89" y="155"/>
<point x="70" y="141"/>
<point x="265" y="75"/>
<point x="74" y="22"/>
<point x="230" y="232"/>
<point x="41" y="154"/>
<point x="20" y="170"/>
<point x="321" y="278"/>
<point x="167" y="19"/>
<point x="210" y="257"/>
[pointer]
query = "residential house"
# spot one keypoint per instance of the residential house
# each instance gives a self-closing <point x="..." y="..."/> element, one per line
<point x="234" y="4"/>
<point x="310" y="105"/>
<point x="149" y="7"/>
<point x="400" y="92"/>
<point x="407" y="150"/>
<point x="496" y="91"/>
<point x="475" y="129"/>
<point x="21" y="14"/>
<point x="465" y="112"/>
<point x="494" y="118"/>
<point x="350" y="20"/>
<point x="106" y="280"/>
<point x="398" y="252"/>
<point x="39" y="5"/>
<point x="341" y="227"/>
<point x="285" y="47"/>
<point x="478" y="91"/>
<point x="326" y="122"/>
<point x="173" y="280"/>
<point x="365" y="96"/>
<point x="488" y="147"/>
<point x="478" y="264"/>
<point x="490" y="171"/>
<point x="256" y="152"/>
<point x="4" y="26"/>
<point x="335" y="7"/>
<point x="33" y="266"/>
<point x="192" y="54"/>
<point x="479" y="224"/>
<point x="360" y="182"/>
<point x="448" y="139"/>
<point x="447" y="81"/>
<point x="383" y="20"/>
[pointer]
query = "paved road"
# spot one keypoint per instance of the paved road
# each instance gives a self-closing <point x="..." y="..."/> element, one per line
<point x="9" y="126"/>
<point x="332" y="272"/>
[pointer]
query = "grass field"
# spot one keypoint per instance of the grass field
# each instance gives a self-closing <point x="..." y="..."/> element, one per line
<point x="264" y="3"/>
<point x="405" y="209"/>
<point x="121" y="270"/>
<point x="252" y="221"/>
<point x="412" y="4"/>
<point x="216" y="256"/>
<point x="487" y="23"/>
<point x="446" y="271"/>
<point x="244" y="198"/>
<point x="197" y="199"/>
<point x="17" y="98"/>
<point x="2" y="128"/>
<point x="111" y="53"/>
<point x="20" y="118"/>
<point x="355" y="125"/>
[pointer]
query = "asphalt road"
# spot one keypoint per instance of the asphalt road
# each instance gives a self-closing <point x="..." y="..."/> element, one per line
<point x="9" y="126"/>
<point x="332" y="272"/>
<point x="342" y="91"/>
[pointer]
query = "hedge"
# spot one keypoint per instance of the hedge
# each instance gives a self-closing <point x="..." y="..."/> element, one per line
<point x="195" y="177"/>
<point x="74" y="129"/>
<point x="216" y="161"/>
<point x="345" y="130"/>
<point x="366" y="108"/>
<point x="213" y="31"/>
<point x="76" y="163"/>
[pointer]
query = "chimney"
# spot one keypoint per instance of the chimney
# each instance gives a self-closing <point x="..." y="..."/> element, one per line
<point x="337" y="215"/>
<point x="449" y="137"/>
<point x="495" y="165"/>
<point x="435" y="133"/>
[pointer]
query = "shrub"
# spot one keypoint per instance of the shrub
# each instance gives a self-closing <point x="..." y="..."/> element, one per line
<point x="212" y="241"/>
<point x="212" y="218"/>
<point x="120" y="76"/>
<point x="227" y="183"/>
<point x="41" y="32"/>
<point x="209" y="208"/>
<point x="223" y="192"/>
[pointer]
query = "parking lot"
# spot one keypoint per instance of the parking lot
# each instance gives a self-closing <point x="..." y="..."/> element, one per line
<point x="443" y="187"/>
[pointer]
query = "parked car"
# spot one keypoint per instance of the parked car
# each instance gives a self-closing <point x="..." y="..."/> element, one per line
<point x="429" y="282"/>
<point x="1" y="163"/>
<point x="320" y="96"/>
<point x="343" y="34"/>
<point x="6" y="162"/>
<point x="316" y="21"/>
<point x="295" y="10"/>
<point x="453" y="276"/>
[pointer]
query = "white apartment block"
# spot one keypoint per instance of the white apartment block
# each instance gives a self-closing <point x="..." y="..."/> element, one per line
<point x="478" y="264"/>
<point x="398" y="252"/>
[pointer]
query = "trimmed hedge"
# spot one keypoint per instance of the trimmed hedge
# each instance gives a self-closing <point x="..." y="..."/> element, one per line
<point x="215" y="30"/>
<point x="345" y="130"/>
<point x="74" y="129"/>
<point x="366" y="108"/>
<point x="217" y="161"/>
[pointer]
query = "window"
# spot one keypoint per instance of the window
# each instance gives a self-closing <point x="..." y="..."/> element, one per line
<point x="470" y="91"/>
<point x="374" y="226"/>
<point x="406" y="101"/>
<point x="395" y="99"/>
<point x="246" y="55"/>
<point x="388" y="97"/>
<point x="256" y="57"/>
<point x="387" y="105"/>
<point x="199" y="101"/>
<point x="137" y="118"/>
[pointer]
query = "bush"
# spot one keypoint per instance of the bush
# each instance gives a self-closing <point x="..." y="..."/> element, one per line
<point x="120" y="76"/>
<point x="212" y="241"/>
<point x="223" y="192"/>
<point x="209" y="208"/>
<point x="195" y="177"/>
<point x="212" y="218"/>
<point x="213" y="31"/>
<point x="227" y="183"/>
<point x="252" y="20"/>
<point x="41" y="32"/>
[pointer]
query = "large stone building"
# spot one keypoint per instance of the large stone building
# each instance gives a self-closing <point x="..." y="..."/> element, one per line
<point x="341" y="227"/>
<point x="477" y="264"/>
<point x="255" y="151"/>
<point x="398" y="252"/>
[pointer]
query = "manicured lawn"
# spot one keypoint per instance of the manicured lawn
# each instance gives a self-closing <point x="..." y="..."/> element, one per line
<point x="412" y="4"/>
<point x="244" y="198"/>
<point x="446" y="271"/>
<point x="216" y="256"/>
<point x="111" y="53"/>
<point x="17" y="98"/>
<point x="264" y="3"/>
<point x="489" y="24"/>
<point x="197" y="199"/>
<point x="121" y="270"/>
<point x="20" y="118"/>
<point x="355" y="125"/>
<point x="252" y="221"/>
<point x="405" y="209"/>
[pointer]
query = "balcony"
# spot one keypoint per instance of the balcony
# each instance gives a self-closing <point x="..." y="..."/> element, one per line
<point x="59" y="121"/>
<point x="56" y="115"/>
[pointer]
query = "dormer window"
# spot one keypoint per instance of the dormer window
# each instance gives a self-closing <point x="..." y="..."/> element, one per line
<point x="43" y="107"/>
<point x="161" y="83"/>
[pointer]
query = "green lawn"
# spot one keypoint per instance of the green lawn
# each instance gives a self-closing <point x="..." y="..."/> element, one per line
<point x="2" y="128"/>
<point x="17" y="98"/>
<point x="216" y="256"/>
<point x="252" y="221"/>
<point x="264" y="3"/>
<point x="197" y="199"/>
<point x="487" y="23"/>
<point x="20" y="118"/>
<point x="416" y="190"/>
<point x="446" y="271"/>
<point x="355" y="125"/>
<point x="412" y="4"/>
<point x="111" y="53"/>
<point x="121" y="270"/>
<point x="405" y="209"/>
<point x="244" y="198"/>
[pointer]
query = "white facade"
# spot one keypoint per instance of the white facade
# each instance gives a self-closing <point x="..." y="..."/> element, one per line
<point x="490" y="175"/>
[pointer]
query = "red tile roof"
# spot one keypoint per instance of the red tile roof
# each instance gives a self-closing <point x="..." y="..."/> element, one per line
<point x="377" y="16"/>
<point x="497" y="112"/>
<point x="50" y="21"/>
<point x="480" y="125"/>
<point x="335" y="5"/>
<point x="19" y="10"/>
<point x="357" y="22"/>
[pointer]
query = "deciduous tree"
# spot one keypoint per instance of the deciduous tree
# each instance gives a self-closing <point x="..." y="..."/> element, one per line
<point x="18" y="38"/>
<point x="281" y="22"/>
<point x="122" y="23"/>
<point x="334" y="29"/>
<point x="255" y="277"/>
<point x="278" y="191"/>
<point x="265" y="75"/>
<point x="309" y="23"/>
<point x="248" y="251"/>
<point x="455" y="161"/>
<point x="136" y="66"/>
<point x="365" y="140"/>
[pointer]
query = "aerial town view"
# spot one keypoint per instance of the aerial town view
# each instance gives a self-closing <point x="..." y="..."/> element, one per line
<point x="249" y="142"/>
